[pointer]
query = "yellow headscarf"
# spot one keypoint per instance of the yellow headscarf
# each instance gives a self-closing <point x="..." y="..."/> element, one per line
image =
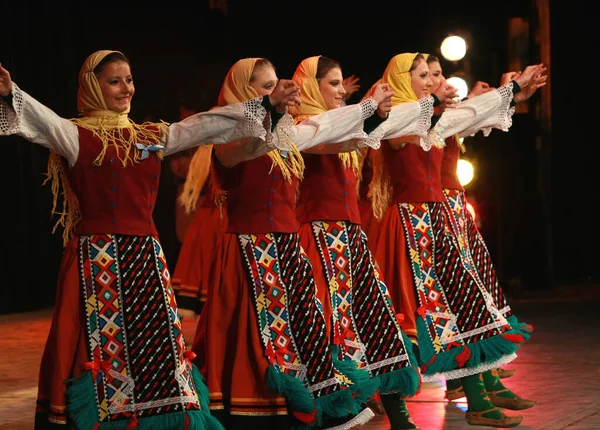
<point x="397" y="75"/>
<point x="313" y="102"/>
<point x="236" y="88"/>
<point x="109" y="127"/>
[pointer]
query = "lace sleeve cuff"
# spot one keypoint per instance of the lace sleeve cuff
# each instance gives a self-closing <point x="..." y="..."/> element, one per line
<point x="10" y="114"/>
<point x="506" y="111"/>
<point x="284" y="132"/>
<point x="256" y="121"/>
<point x="368" y="107"/>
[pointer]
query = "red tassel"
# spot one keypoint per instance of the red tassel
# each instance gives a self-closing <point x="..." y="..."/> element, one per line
<point x="280" y="353"/>
<point x="514" y="338"/>
<point x="305" y="417"/>
<point x="425" y="366"/>
<point x="376" y="397"/>
<point x="463" y="357"/>
<point x="270" y="354"/>
<point x="189" y="355"/>
<point x="400" y="319"/>
<point x="94" y="367"/>
<point x="96" y="427"/>
<point x="528" y="327"/>
<point x="133" y="423"/>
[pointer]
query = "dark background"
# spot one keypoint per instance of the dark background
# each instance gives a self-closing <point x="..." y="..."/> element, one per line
<point x="535" y="193"/>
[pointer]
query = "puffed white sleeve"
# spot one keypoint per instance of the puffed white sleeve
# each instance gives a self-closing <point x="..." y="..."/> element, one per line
<point x="482" y="113"/>
<point x="342" y="126"/>
<point x="409" y="119"/>
<point x="33" y="121"/>
<point x="248" y="119"/>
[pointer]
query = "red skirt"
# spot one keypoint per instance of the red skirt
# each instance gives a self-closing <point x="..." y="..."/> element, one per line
<point x="358" y="308"/>
<point x="115" y="353"/>
<point x="230" y="354"/>
<point x="65" y="351"/>
<point x="460" y="330"/>
<point x="260" y="341"/>
<point x="370" y="225"/>
<point x="194" y="268"/>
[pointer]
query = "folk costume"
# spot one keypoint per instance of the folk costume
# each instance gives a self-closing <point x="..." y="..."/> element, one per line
<point x="360" y="317"/>
<point x="261" y="340"/>
<point x="115" y="355"/>
<point x="458" y="327"/>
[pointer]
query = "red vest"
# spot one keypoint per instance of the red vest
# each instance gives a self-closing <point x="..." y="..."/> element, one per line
<point x="414" y="173"/>
<point x="328" y="190"/>
<point x="113" y="198"/>
<point x="258" y="201"/>
<point x="449" y="165"/>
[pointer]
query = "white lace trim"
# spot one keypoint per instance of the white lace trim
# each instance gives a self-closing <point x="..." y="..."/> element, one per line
<point x="387" y="362"/>
<point x="468" y="371"/>
<point x="362" y="418"/>
<point x="433" y="137"/>
<point x="506" y="111"/>
<point x="114" y="409"/>
<point x="10" y="115"/>
<point x="448" y="339"/>
<point x="284" y="131"/>
<point x="373" y="140"/>
<point x="256" y="122"/>
<point x="368" y="107"/>
<point x="323" y="384"/>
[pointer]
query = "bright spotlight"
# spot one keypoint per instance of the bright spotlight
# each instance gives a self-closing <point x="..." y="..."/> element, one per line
<point x="465" y="172"/>
<point x="461" y="86"/>
<point x="453" y="48"/>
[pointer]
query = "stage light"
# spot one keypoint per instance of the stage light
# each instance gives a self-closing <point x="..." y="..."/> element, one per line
<point x="453" y="48"/>
<point x="464" y="171"/>
<point x="461" y="86"/>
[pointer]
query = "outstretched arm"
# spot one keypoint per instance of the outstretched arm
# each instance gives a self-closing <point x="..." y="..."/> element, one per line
<point x="24" y="116"/>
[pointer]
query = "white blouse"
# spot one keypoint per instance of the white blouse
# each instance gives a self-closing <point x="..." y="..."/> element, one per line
<point x="37" y="123"/>
<point x="481" y="113"/>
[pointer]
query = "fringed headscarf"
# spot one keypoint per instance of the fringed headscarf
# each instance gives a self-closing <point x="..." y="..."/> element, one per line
<point x="112" y="128"/>
<point x="313" y="102"/>
<point x="397" y="75"/>
<point x="236" y="88"/>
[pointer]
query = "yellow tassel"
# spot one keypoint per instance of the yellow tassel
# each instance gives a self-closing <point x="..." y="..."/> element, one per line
<point x="124" y="144"/>
<point x="293" y="164"/>
<point x="69" y="214"/>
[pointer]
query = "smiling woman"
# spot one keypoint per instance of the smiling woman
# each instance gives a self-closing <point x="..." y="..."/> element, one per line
<point x="114" y="282"/>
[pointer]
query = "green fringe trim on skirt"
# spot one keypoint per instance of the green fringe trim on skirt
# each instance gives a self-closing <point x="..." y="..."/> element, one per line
<point x="519" y="327"/>
<point x="482" y="352"/>
<point x="339" y="404"/>
<point x="82" y="409"/>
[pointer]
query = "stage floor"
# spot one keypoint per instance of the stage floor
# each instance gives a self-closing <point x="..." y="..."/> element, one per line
<point x="559" y="367"/>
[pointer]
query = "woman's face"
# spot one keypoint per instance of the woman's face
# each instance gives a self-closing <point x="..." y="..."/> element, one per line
<point x="435" y="74"/>
<point x="332" y="89"/>
<point x="264" y="80"/>
<point x="116" y="84"/>
<point x="420" y="81"/>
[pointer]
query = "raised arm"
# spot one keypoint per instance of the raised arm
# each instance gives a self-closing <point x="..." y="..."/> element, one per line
<point x="249" y="119"/>
<point x="491" y="109"/>
<point x="22" y="115"/>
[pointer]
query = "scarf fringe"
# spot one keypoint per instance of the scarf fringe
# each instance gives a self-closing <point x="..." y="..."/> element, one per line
<point x="124" y="143"/>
